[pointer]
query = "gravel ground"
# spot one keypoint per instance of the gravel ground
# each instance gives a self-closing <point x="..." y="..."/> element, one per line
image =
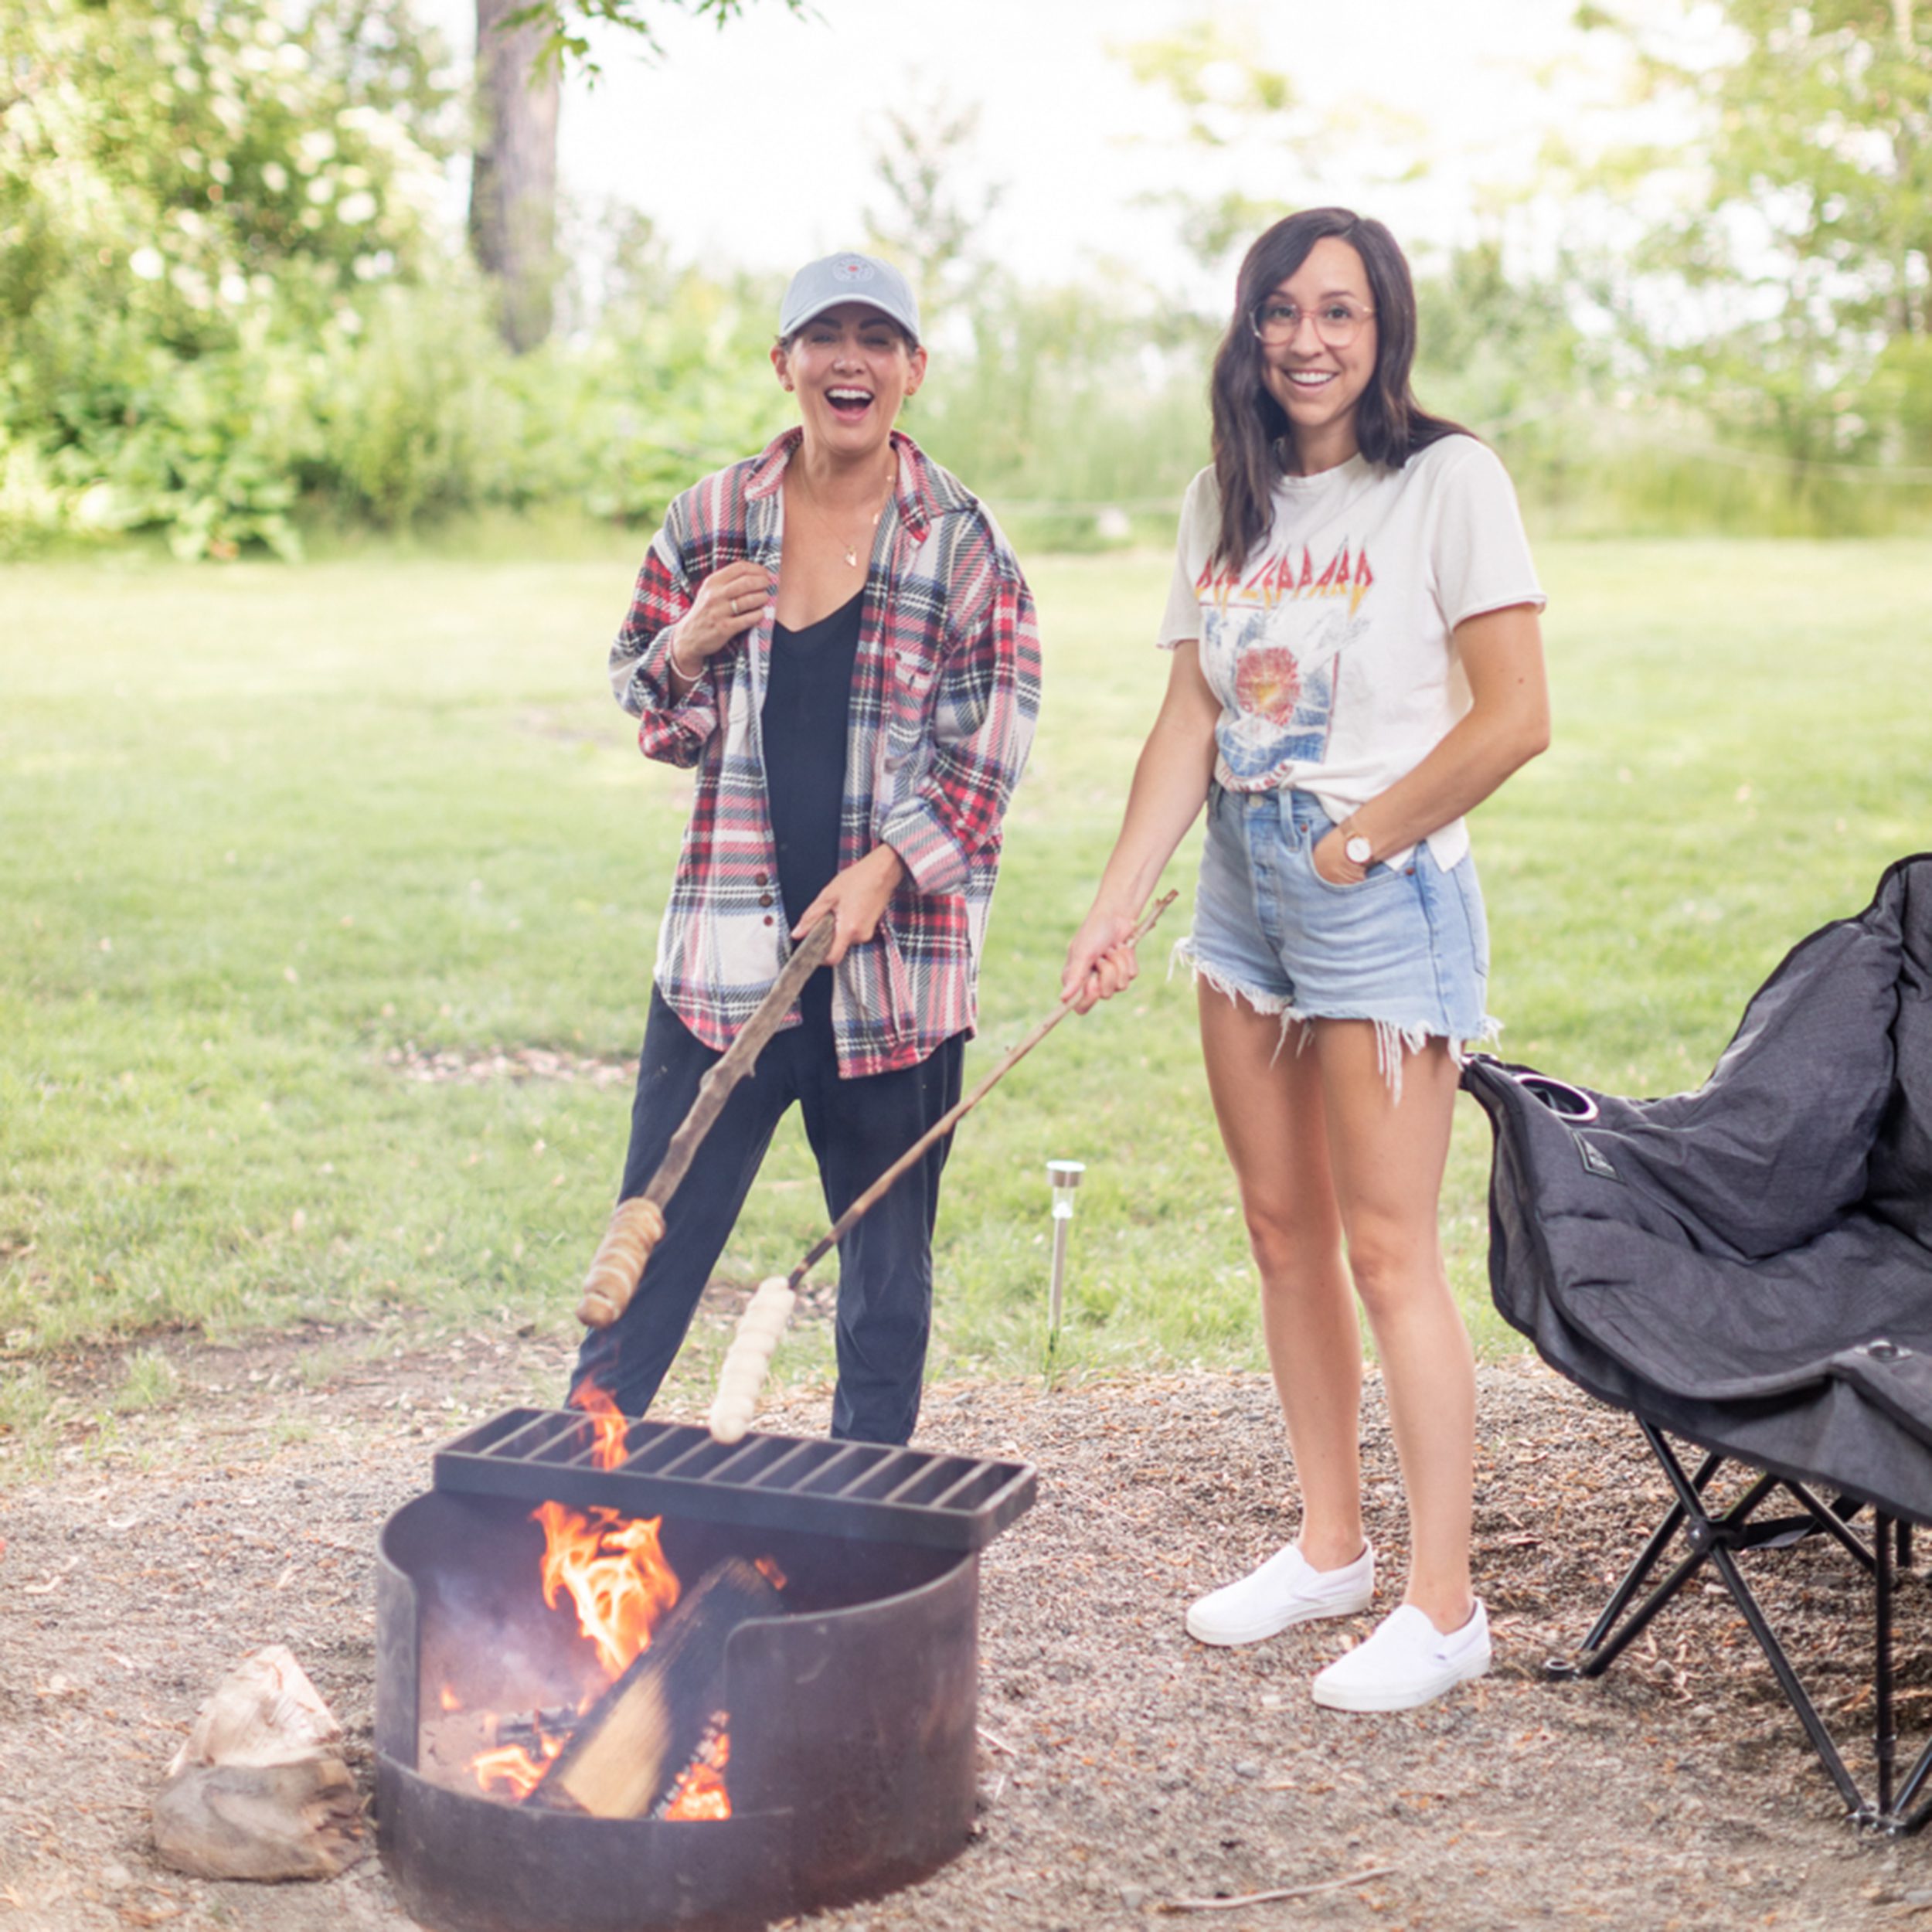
<point x="1125" y="1768"/>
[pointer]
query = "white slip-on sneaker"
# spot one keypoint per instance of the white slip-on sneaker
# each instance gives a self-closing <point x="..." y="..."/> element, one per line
<point x="1286" y="1590"/>
<point x="1405" y="1661"/>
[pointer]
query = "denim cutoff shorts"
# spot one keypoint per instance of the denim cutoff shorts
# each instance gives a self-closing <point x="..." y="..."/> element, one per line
<point x="1407" y="948"/>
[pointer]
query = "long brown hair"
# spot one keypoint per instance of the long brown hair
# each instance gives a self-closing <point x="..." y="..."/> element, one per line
<point x="1250" y="424"/>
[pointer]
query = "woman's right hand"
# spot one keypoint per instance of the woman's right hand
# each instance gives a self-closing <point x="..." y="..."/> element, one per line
<point x="1101" y="961"/>
<point x="729" y="602"/>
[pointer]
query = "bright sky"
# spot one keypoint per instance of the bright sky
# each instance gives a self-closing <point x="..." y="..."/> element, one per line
<point x="755" y="146"/>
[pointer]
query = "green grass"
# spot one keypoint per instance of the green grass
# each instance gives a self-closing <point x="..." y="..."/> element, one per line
<point x="273" y="835"/>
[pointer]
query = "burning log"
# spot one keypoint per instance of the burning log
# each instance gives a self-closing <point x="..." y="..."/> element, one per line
<point x="258" y="1791"/>
<point x="697" y="1793"/>
<point x="650" y="1723"/>
<point x="531" y="1727"/>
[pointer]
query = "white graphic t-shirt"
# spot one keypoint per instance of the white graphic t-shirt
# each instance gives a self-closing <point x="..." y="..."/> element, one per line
<point x="1330" y="648"/>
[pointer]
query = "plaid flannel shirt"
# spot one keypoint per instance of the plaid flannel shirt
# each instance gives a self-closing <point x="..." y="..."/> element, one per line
<point x="945" y="691"/>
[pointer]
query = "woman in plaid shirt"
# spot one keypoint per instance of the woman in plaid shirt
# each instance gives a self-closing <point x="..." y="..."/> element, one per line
<point x="835" y="633"/>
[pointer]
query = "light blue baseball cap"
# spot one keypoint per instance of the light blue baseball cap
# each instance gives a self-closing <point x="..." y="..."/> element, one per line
<point x="848" y="277"/>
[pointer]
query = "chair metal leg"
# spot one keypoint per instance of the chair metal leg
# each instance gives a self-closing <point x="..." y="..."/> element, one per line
<point x="1719" y="1540"/>
<point x="1706" y="1534"/>
<point x="1834" y="1521"/>
<point x="1885" y="1741"/>
<point x="1596" y="1656"/>
<point x="1795" y="1694"/>
<point x="1593" y="1658"/>
<point x="1903" y="1821"/>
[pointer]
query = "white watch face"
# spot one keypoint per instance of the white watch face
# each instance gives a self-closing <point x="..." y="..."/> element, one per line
<point x="1359" y="850"/>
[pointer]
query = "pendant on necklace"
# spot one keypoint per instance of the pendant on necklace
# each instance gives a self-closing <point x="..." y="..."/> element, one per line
<point x="851" y="558"/>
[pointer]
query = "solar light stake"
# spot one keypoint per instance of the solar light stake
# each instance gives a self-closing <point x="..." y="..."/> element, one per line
<point x="1064" y="1176"/>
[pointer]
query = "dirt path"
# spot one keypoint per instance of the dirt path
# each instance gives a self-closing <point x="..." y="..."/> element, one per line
<point x="1126" y="1766"/>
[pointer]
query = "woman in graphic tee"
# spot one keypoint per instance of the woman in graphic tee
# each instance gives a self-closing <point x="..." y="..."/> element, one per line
<point x="1357" y="661"/>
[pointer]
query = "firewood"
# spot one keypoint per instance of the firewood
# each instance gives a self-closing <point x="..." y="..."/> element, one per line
<point x="643" y="1730"/>
<point x="258" y="1789"/>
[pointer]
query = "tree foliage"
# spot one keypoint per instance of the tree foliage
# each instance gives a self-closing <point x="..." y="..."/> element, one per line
<point x="1230" y="107"/>
<point x="231" y="300"/>
<point x="193" y="195"/>
<point x="566" y="25"/>
<point x="928" y="224"/>
<point x="183" y="157"/>
<point x="1792" y="289"/>
<point x="1241" y="124"/>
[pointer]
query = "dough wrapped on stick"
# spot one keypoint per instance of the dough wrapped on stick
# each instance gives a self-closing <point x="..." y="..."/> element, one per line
<point x="637" y="1226"/>
<point x="749" y="1358"/>
<point x="750" y="1355"/>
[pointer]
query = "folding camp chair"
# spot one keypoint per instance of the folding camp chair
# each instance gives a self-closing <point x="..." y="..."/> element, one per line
<point x="1747" y="1268"/>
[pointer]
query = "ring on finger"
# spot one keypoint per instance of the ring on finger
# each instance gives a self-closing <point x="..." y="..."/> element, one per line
<point x="734" y="607"/>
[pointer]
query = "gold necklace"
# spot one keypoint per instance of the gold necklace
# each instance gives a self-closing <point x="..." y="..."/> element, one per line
<point x="849" y="550"/>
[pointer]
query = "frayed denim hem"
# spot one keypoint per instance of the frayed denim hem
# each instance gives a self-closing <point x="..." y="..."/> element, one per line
<point x="1272" y="1005"/>
<point x="1392" y="1042"/>
<point x="1392" y="1039"/>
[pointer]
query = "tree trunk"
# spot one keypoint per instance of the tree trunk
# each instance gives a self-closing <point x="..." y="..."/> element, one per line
<point x="513" y="178"/>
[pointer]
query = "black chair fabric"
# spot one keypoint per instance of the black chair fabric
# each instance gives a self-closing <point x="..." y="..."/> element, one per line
<point x="1749" y="1266"/>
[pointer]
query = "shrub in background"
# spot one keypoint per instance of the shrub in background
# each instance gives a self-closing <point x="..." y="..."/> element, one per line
<point x="191" y="193"/>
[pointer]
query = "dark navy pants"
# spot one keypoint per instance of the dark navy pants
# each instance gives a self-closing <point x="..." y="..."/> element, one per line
<point x="857" y="1129"/>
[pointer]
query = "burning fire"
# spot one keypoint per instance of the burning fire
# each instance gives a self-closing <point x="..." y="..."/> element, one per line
<point x="616" y="1575"/>
<point x="513" y="1769"/>
<point x="607" y="1420"/>
<point x="612" y="1569"/>
<point x="699" y="1792"/>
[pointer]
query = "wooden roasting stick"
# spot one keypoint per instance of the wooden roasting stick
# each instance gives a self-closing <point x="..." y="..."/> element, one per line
<point x="637" y="1226"/>
<point x="748" y="1358"/>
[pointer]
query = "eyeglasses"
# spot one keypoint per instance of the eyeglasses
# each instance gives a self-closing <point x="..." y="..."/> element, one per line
<point x="1337" y="323"/>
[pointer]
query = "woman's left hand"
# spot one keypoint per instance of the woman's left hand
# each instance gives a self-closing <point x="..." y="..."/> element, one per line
<point x="1331" y="860"/>
<point x="858" y="897"/>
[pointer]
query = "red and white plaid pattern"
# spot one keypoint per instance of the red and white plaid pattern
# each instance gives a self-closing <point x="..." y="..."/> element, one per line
<point x="945" y="692"/>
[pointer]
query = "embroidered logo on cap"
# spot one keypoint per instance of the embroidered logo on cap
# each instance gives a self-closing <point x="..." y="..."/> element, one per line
<point x="853" y="268"/>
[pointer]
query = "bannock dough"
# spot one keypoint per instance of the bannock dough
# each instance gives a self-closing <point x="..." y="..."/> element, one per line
<point x="748" y="1357"/>
<point x="636" y="1228"/>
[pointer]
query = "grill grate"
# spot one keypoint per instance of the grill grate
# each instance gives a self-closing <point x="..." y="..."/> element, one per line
<point x="813" y="1483"/>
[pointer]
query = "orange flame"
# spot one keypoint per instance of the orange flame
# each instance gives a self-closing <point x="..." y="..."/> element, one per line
<point x="513" y="1767"/>
<point x="610" y="1423"/>
<point x="616" y="1575"/>
<point x="613" y="1568"/>
<point x="699" y="1794"/>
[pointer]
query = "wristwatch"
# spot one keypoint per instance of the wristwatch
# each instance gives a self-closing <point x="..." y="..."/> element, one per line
<point x="1357" y="849"/>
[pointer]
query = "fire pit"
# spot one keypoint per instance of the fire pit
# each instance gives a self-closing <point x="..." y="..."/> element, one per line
<point x="839" y="1760"/>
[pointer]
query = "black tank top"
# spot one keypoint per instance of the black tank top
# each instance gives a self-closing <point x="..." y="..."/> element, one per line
<point x="806" y="715"/>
